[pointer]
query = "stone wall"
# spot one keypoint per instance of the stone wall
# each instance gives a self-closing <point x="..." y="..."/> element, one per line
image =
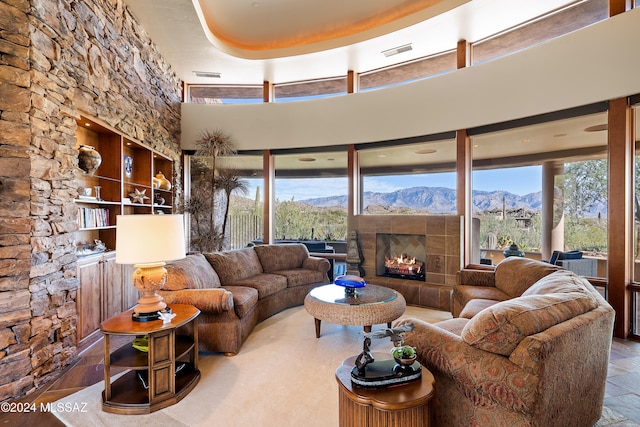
<point x="58" y="59"/>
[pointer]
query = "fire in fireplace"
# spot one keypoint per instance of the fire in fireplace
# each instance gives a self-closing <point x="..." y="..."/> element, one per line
<point x="404" y="266"/>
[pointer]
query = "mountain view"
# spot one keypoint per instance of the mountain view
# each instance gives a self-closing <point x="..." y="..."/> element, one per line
<point x="436" y="200"/>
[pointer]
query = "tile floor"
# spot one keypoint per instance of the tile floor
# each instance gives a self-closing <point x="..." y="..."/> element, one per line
<point x="622" y="393"/>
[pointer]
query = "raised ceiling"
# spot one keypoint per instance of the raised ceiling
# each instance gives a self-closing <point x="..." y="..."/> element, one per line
<point x="252" y="41"/>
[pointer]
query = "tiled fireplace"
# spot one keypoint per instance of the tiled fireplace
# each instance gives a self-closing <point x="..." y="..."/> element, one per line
<point x="434" y="240"/>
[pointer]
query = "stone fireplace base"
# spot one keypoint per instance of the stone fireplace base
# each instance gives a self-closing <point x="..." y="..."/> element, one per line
<point x="443" y="255"/>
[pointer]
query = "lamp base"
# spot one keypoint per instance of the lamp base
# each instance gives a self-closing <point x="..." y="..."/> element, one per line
<point x="147" y="317"/>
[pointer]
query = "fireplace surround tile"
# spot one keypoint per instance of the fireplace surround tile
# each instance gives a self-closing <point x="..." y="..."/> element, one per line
<point x="442" y="247"/>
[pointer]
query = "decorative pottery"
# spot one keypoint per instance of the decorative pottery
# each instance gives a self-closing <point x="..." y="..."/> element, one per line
<point x="128" y="166"/>
<point x="89" y="159"/>
<point x="164" y="182"/>
<point x="156" y="182"/>
<point x="158" y="199"/>
<point x="513" y="250"/>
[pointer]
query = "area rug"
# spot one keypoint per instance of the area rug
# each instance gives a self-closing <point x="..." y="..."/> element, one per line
<point x="283" y="375"/>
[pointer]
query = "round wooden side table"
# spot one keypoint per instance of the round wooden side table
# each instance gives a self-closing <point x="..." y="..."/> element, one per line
<point x="406" y="405"/>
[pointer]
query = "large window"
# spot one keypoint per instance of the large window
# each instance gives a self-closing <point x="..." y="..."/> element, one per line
<point x="543" y="187"/>
<point x="301" y="91"/>
<point x="574" y="17"/>
<point x="311" y="196"/>
<point x="233" y="217"/>
<point x="411" y="178"/>
<point x="212" y="94"/>
<point x="408" y="72"/>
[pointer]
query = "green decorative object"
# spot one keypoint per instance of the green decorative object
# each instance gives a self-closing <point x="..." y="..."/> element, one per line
<point x="513" y="250"/>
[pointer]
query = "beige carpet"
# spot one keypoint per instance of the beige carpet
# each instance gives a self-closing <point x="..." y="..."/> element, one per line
<point x="282" y="376"/>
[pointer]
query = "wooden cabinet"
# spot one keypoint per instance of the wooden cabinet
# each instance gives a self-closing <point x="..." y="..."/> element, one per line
<point x="128" y="167"/>
<point x="101" y="291"/>
<point x="155" y="379"/>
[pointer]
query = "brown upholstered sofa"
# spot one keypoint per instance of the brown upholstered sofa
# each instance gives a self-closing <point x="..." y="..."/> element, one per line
<point x="235" y="290"/>
<point x="531" y="350"/>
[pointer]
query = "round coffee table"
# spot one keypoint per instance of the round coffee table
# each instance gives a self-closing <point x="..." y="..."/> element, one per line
<point x="369" y="305"/>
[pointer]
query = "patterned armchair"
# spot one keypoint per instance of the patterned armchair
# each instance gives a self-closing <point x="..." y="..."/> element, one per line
<point x="539" y="359"/>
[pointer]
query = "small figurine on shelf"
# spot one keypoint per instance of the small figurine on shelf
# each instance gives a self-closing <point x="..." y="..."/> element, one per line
<point x="164" y="183"/>
<point x="138" y="196"/>
<point x="158" y="199"/>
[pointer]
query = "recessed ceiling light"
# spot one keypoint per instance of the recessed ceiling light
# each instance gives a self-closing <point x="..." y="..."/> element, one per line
<point x="306" y="159"/>
<point x="207" y="74"/>
<point x="397" y="50"/>
<point x="426" y="151"/>
<point x="87" y="124"/>
<point x="525" y="140"/>
<point x="597" y="128"/>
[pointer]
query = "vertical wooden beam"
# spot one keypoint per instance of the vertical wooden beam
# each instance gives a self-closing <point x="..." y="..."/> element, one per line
<point x="268" y="172"/>
<point x="353" y="180"/>
<point x="464" y="168"/>
<point x="353" y="81"/>
<point x="267" y="92"/>
<point x="463" y="54"/>
<point x="617" y="7"/>
<point x="620" y="213"/>
<point x="463" y="190"/>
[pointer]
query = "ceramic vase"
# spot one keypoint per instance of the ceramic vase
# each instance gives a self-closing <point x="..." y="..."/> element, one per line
<point x="89" y="159"/>
<point x="164" y="183"/>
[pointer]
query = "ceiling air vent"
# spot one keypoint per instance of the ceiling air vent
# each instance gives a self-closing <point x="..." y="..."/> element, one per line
<point x="207" y="74"/>
<point x="397" y="50"/>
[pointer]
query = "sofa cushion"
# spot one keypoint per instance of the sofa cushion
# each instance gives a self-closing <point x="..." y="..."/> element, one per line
<point x="475" y="306"/>
<point x="244" y="299"/>
<point x="559" y="281"/>
<point x="514" y="275"/>
<point x="191" y="272"/>
<point x="301" y="276"/>
<point x="233" y="266"/>
<point x="500" y="328"/>
<point x="455" y="325"/>
<point x="281" y="257"/>
<point x="265" y="284"/>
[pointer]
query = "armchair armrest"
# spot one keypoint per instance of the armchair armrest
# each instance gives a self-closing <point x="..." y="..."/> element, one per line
<point x="473" y="277"/>
<point x="216" y="300"/>
<point x="316" y="263"/>
<point x="488" y="376"/>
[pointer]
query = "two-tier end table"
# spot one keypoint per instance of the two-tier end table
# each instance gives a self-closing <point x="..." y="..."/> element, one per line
<point x="406" y="405"/>
<point x="157" y="378"/>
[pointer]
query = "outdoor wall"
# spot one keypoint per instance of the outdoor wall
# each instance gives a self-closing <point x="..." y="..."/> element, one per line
<point x="59" y="59"/>
<point x="596" y="63"/>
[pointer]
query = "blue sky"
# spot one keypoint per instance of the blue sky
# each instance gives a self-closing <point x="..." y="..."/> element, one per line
<point x="521" y="181"/>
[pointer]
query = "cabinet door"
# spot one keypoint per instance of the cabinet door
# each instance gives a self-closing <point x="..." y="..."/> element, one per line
<point x="89" y="298"/>
<point x="130" y="293"/>
<point x="112" y="286"/>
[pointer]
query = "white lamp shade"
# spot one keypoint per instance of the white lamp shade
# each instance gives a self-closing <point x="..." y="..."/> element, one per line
<point x="145" y="239"/>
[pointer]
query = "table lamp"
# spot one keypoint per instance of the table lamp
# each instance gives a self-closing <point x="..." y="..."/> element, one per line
<point x="147" y="241"/>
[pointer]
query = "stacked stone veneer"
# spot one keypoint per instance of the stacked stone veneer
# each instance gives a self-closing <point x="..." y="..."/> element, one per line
<point x="60" y="58"/>
<point x="442" y="245"/>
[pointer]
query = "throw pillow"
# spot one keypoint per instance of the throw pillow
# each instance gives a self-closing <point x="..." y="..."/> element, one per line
<point x="560" y="281"/>
<point x="514" y="275"/>
<point x="192" y="272"/>
<point x="500" y="328"/>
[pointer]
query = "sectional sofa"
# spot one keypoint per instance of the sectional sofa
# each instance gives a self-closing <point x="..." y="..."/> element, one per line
<point x="235" y="290"/>
<point x="529" y="346"/>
